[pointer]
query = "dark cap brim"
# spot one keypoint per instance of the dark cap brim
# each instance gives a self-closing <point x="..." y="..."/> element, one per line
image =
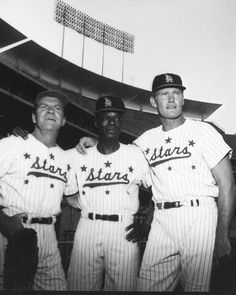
<point x="109" y="110"/>
<point x="169" y="86"/>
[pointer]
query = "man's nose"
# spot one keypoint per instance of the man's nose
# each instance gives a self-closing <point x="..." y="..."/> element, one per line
<point x="112" y="121"/>
<point x="50" y="109"/>
<point x="171" y="97"/>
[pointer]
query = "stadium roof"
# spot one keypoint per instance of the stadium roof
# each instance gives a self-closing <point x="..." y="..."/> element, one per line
<point x="27" y="68"/>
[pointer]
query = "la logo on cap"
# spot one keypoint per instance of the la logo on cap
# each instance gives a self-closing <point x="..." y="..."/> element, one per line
<point x="169" y="79"/>
<point x="108" y="102"/>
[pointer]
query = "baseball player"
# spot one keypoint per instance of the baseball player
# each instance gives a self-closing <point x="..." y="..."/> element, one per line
<point x="192" y="178"/>
<point x="109" y="177"/>
<point x="34" y="175"/>
<point x="193" y="191"/>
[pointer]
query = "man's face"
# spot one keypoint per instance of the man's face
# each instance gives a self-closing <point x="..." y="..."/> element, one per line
<point x="49" y="114"/>
<point x="109" y="124"/>
<point x="169" y="102"/>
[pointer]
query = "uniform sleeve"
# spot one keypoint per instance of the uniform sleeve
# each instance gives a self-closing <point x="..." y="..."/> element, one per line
<point x="9" y="148"/>
<point x="72" y="182"/>
<point x="140" y="141"/>
<point x="143" y="167"/>
<point x="214" y="148"/>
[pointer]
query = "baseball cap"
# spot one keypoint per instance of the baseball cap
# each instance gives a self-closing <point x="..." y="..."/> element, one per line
<point x="167" y="80"/>
<point x="109" y="103"/>
<point x="53" y="93"/>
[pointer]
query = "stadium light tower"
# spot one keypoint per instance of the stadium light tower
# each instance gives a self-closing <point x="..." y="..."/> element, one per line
<point x="94" y="29"/>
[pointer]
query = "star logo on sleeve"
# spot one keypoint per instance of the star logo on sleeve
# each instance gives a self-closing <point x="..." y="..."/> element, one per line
<point x="26" y="181"/>
<point x="27" y="156"/>
<point x="191" y="143"/>
<point x="107" y="164"/>
<point x="52" y="157"/>
<point x="83" y="168"/>
<point x="147" y="151"/>
<point x="131" y="169"/>
<point x="168" y="140"/>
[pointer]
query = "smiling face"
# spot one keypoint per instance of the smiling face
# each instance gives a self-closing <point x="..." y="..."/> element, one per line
<point x="169" y="102"/>
<point x="49" y="114"/>
<point x="109" y="124"/>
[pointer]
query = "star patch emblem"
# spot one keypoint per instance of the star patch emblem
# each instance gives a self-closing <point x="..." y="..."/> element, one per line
<point x="107" y="164"/>
<point x="27" y="156"/>
<point x="168" y="140"/>
<point x="83" y="168"/>
<point x="52" y="157"/>
<point x="147" y="151"/>
<point x="191" y="142"/>
<point x="131" y="169"/>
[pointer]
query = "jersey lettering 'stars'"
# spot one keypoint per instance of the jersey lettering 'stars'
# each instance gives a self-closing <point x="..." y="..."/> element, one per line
<point x="43" y="166"/>
<point x="173" y="154"/>
<point x="108" y="176"/>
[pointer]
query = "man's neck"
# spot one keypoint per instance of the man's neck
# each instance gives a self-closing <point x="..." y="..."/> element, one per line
<point x="107" y="147"/>
<point x="168" y="124"/>
<point x="48" y="138"/>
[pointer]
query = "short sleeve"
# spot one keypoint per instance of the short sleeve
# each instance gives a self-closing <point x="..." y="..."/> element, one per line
<point x="214" y="148"/>
<point x="143" y="167"/>
<point x="72" y="182"/>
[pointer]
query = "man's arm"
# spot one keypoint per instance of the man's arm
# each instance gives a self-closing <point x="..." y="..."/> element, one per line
<point x="223" y="175"/>
<point x="10" y="225"/>
<point x="72" y="200"/>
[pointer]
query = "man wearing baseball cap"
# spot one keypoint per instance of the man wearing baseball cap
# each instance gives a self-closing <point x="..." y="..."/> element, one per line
<point x="109" y="176"/>
<point x="192" y="185"/>
<point x="34" y="175"/>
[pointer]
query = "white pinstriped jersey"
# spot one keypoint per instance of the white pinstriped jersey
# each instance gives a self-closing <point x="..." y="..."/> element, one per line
<point x="34" y="177"/>
<point x="108" y="184"/>
<point x="181" y="159"/>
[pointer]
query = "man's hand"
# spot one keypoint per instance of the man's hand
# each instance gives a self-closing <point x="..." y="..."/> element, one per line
<point x="11" y="225"/>
<point x="18" y="131"/>
<point x="84" y="143"/>
<point x="139" y="230"/>
<point x="222" y="252"/>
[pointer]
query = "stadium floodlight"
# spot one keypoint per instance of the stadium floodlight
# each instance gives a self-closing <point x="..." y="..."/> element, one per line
<point x="92" y="28"/>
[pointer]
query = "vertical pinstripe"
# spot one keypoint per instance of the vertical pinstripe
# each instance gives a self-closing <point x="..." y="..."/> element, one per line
<point x="179" y="243"/>
<point x="108" y="184"/>
<point x="181" y="238"/>
<point x="33" y="179"/>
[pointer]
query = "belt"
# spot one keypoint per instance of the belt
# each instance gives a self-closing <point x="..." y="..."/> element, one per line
<point x="103" y="217"/>
<point x="177" y="204"/>
<point x="40" y="220"/>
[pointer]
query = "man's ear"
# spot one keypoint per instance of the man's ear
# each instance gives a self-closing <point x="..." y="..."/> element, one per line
<point x="33" y="118"/>
<point x="153" y="101"/>
<point x="63" y="122"/>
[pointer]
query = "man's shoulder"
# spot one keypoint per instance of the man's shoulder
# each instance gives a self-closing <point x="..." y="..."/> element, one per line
<point x="12" y="139"/>
<point x="201" y="125"/>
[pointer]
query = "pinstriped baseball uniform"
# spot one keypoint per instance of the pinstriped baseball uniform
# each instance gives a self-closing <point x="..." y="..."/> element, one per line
<point x="181" y="240"/>
<point x="33" y="179"/>
<point x="108" y="184"/>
